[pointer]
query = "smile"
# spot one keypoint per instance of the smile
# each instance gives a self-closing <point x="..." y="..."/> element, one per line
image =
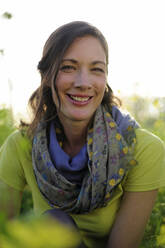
<point x="80" y="98"/>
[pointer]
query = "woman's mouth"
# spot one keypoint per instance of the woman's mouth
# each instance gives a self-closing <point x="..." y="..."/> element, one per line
<point x="79" y="99"/>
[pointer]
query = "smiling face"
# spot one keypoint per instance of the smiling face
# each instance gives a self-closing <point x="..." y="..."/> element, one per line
<point x="81" y="80"/>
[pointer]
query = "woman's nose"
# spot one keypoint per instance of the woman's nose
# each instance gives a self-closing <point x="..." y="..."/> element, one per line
<point x="83" y="80"/>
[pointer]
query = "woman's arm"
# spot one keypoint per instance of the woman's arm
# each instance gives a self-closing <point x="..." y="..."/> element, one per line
<point x="10" y="200"/>
<point x="132" y="218"/>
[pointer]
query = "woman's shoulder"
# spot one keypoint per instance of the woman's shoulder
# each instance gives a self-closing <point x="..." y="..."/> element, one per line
<point x="148" y="140"/>
<point x="19" y="139"/>
<point x="14" y="156"/>
<point x="149" y="173"/>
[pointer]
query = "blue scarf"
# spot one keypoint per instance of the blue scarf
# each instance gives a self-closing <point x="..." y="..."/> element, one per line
<point x="110" y="144"/>
<point x="73" y="169"/>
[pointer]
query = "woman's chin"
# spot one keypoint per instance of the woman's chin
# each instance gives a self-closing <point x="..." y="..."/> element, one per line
<point x="75" y="117"/>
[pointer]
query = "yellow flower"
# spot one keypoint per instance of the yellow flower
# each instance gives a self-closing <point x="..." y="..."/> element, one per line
<point x="107" y="114"/>
<point x="133" y="162"/>
<point x="118" y="136"/>
<point x="58" y="130"/>
<point x="112" y="124"/>
<point x="129" y="128"/>
<point x="134" y="140"/>
<point x="107" y="195"/>
<point x="121" y="171"/>
<point x="60" y="143"/>
<point x="90" y="154"/>
<point x="90" y="130"/>
<point x="90" y="141"/>
<point x="125" y="150"/>
<point x="112" y="182"/>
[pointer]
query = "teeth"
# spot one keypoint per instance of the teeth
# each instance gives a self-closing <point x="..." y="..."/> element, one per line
<point x="80" y="99"/>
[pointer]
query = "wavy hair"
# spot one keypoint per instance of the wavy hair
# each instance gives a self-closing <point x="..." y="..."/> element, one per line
<point x="41" y="101"/>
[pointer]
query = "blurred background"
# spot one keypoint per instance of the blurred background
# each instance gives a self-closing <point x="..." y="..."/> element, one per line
<point x="135" y="31"/>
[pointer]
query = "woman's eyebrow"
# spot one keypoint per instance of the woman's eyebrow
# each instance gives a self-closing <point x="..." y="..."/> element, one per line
<point x="98" y="62"/>
<point x="76" y="62"/>
<point x="70" y="60"/>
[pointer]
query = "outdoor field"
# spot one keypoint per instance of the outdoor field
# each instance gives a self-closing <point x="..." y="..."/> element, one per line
<point x="150" y="113"/>
<point x="135" y="35"/>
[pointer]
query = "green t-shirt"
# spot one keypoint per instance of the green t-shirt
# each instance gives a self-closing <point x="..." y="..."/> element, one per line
<point x="16" y="170"/>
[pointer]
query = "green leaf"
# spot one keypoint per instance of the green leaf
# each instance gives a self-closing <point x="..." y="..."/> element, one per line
<point x="1" y="51"/>
<point x="7" y="15"/>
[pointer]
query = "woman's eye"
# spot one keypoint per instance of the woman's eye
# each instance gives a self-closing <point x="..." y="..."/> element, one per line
<point x="67" y="68"/>
<point x="98" y="69"/>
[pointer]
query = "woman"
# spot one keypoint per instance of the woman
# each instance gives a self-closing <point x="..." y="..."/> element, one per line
<point x="80" y="153"/>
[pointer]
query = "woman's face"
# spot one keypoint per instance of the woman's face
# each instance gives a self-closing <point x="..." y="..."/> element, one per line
<point x="81" y="80"/>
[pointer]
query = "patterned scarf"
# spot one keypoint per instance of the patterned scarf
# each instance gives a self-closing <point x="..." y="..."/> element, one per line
<point x="110" y="157"/>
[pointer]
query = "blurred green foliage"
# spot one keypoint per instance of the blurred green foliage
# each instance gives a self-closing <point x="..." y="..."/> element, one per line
<point x="27" y="201"/>
<point x="7" y="15"/>
<point x="6" y="123"/>
<point x="154" y="236"/>
<point x="150" y="113"/>
<point x="36" y="232"/>
<point x="1" y="51"/>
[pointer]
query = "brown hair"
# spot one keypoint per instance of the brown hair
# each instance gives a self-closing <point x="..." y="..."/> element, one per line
<point x="41" y="101"/>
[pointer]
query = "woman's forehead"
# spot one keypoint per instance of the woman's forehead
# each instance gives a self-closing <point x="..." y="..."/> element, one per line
<point x="86" y="46"/>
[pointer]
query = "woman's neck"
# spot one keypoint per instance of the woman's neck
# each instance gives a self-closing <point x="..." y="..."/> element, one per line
<point x="75" y="136"/>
